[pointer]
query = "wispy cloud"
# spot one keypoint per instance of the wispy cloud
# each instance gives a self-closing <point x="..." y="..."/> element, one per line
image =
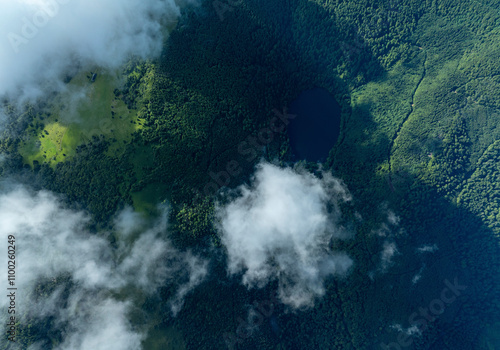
<point x="281" y="228"/>
<point x="427" y="248"/>
<point x="389" y="251"/>
<point x="43" y="40"/>
<point x="82" y="275"/>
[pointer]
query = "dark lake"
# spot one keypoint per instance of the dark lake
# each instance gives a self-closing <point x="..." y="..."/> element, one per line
<point x="317" y="126"/>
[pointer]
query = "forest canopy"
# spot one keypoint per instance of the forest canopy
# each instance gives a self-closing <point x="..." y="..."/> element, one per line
<point x="414" y="174"/>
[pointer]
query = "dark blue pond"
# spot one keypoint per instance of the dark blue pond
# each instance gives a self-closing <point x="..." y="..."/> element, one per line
<point x="316" y="127"/>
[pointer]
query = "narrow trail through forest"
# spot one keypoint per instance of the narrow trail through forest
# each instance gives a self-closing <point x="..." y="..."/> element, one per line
<point x="412" y="108"/>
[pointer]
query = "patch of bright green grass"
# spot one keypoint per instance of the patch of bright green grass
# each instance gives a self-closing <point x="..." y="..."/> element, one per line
<point x="98" y="113"/>
<point x="45" y="145"/>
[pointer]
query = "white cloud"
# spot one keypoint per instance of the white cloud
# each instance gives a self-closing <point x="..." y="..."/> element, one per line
<point x="418" y="276"/>
<point x="128" y="222"/>
<point x="392" y="218"/>
<point x="281" y="229"/>
<point x="389" y="251"/>
<point x="386" y="229"/>
<point x="410" y="331"/>
<point x="197" y="272"/>
<point x="53" y="247"/>
<point x="42" y="40"/>
<point x="389" y="230"/>
<point x="100" y="325"/>
<point x="427" y="248"/>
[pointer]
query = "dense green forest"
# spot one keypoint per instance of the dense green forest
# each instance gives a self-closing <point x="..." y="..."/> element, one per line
<point x="418" y="84"/>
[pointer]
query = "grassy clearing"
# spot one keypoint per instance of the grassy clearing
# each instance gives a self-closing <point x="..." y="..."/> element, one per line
<point x="45" y="145"/>
<point x="54" y="137"/>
